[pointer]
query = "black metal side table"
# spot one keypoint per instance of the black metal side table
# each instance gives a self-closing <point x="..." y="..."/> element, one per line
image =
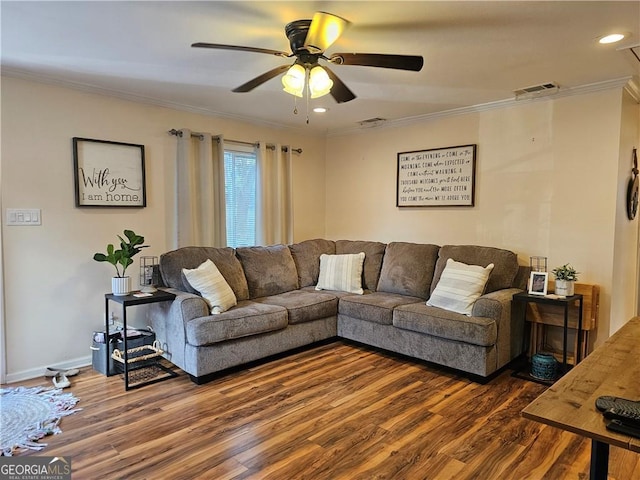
<point x="132" y="299"/>
<point x="565" y="302"/>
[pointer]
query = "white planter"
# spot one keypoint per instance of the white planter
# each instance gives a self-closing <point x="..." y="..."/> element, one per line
<point x="121" y="285"/>
<point x="565" y="288"/>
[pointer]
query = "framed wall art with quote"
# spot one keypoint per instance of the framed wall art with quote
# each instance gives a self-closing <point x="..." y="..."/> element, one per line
<point x="438" y="177"/>
<point x="108" y="174"/>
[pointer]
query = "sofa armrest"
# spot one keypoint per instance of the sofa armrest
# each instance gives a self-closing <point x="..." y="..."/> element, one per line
<point x="492" y="305"/>
<point x="168" y="320"/>
<point x="187" y="306"/>
<point x="497" y="305"/>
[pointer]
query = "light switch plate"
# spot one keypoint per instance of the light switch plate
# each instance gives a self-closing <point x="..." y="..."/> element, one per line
<point x="24" y="216"/>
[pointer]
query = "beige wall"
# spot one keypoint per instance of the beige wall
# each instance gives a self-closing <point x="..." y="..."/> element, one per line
<point x="548" y="183"/>
<point x="53" y="290"/>
<point x="551" y="180"/>
<point x="626" y="264"/>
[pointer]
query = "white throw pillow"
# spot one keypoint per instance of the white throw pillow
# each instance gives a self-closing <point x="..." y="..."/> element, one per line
<point x="208" y="280"/>
<point x="460" y="286"/>
<point x="341" y="272"/>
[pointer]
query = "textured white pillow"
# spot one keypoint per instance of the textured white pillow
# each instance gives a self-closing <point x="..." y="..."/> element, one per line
<point x="208" y="280"/>
<point x="460" y="286"/>
<point x="341" y="272"/>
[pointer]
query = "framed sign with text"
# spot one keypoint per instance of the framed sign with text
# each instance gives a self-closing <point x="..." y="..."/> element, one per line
<point x="108" y="174"/>
<point x="439" y="177"/>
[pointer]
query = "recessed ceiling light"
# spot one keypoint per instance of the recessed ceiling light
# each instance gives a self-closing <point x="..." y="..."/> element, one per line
<point x="320" y="109"/>
<point x="613" y="38"/>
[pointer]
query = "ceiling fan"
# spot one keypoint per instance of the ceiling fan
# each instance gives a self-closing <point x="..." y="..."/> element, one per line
<point x="309" y="40"/>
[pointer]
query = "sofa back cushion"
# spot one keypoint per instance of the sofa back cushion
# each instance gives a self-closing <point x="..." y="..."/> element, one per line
<point x="373" y="253"/>
<point x="269" y="270"/>
<point x="407" y="269"/>
<point x="172" y="263"/>
<point x="306" y="256"/>
<point x="505" y="263"/>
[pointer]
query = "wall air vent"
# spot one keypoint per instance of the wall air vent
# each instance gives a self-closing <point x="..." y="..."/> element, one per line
<point x="372" y="122"/>
<point x="535" y="91"/>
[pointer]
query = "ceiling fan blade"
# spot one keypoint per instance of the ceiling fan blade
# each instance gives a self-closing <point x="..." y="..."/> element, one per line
<point x="339" y="91"/>
<point x="325" y="29"/>
<point x="399" y="62"/>
<point x="220" y="46"/>
<point x="256" y="82"/>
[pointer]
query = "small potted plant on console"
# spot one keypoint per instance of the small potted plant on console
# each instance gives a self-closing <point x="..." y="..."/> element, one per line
<point x="121" y="284"/>
<point x="566" y="277"/>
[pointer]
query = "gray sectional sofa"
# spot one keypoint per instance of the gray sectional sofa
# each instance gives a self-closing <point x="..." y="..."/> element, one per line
<point x="279" y="308"/>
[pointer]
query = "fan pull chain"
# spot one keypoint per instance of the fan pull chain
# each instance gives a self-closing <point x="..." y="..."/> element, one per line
<point x="307" y="108"/>
<point x="307" y="92"/>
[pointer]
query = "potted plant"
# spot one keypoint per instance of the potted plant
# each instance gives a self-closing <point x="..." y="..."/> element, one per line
<point x="566" y="277"/>
<point x="121" y="259"/>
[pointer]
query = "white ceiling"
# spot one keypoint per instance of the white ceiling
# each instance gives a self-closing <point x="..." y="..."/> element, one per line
<point x="475" y="52"/>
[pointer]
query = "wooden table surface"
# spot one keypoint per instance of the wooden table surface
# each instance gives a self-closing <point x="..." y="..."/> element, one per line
<point x="612" y="369"/>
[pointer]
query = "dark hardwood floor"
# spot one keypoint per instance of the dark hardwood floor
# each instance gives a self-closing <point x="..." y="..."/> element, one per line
<point x="337" y="411"/>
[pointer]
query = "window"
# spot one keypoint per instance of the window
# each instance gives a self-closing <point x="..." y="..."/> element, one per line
<point x="240" y="196"/>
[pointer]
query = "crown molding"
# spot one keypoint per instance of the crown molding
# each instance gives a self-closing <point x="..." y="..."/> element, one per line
<point x="633" y="88"/>
<point x="136" y="98"/>
<point x="624" y="82"/>
<point x="630" y="84"/>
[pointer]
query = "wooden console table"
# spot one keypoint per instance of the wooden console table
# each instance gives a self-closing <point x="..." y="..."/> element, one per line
<point x="612" y="369"/>
<point x="565" y="303"/>
<point x="547" y="321"/>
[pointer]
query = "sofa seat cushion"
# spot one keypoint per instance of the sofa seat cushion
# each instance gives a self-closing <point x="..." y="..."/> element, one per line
<point x="269" y="270"/>
<point x="376" y="307"/>
<point x="247" y="318"/>
<point x="304" y="306"/>
<point x="438" y="322"/>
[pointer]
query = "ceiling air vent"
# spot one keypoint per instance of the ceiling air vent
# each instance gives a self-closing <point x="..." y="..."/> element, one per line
<point x="535" y="91"/>
<point x="372" y="122"/>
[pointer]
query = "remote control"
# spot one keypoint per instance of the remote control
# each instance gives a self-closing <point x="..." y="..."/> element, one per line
<point x="624" y="415"/>
<point x="619" y="427"/>
<point x="606" y="402"/>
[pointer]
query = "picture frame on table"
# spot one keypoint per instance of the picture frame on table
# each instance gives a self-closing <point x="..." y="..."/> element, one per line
<point x="538" y="283"/>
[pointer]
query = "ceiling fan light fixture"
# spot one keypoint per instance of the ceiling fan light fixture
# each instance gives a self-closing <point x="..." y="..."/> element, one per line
<point x="319" y="82"/>
<point x="325" y="29"/>
<point x="293" y="80"/>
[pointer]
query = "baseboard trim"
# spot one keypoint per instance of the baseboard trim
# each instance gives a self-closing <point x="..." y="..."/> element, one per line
<point x="39" y="371"/>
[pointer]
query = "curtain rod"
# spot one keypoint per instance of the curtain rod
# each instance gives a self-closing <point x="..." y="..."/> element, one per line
<point x="178" y="133"/>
